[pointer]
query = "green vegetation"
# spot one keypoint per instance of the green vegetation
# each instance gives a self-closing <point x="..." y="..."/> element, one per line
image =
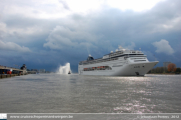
<point x="163" y="70"/>
<point x="178" y="70"/>
<point x="171" y="68"/>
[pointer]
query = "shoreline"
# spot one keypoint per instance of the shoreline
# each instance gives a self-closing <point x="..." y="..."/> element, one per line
<point x="162" y="74"/>
<point x="10" y="75"/>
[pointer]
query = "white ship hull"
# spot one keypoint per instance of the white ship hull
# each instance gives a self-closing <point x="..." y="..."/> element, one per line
<point x="120" y="63"/>
<point x="124" y="70"/>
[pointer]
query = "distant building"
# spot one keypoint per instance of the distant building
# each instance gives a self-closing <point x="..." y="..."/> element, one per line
<point x="23" y="67"/>
<point x="42" y="71"/>
<point x="34" y="70"/>
<point x="165" y="64"/>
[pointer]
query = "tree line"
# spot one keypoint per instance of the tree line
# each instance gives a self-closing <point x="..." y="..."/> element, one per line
<point x="171" y="68"/>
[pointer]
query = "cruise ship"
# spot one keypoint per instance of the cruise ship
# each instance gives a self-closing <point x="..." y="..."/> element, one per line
<point x="122" y="62"/>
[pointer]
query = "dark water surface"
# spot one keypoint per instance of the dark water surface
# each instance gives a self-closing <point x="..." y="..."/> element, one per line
<point x="54" y="93"/>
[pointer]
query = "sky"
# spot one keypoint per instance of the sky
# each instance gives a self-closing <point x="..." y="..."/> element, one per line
<point x="45" y="34"/>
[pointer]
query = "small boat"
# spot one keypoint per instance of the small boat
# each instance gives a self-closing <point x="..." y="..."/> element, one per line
<point x="69" y="72"/>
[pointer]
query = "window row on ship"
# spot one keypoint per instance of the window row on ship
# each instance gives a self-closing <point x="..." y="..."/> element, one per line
<point x="97" y="68"/>
<point x="120" y="52"/>
<point x="110" y="59"/>
<point x="99" y="61"/>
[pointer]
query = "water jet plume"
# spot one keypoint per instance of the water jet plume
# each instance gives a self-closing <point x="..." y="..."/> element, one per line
<point x="64" y="69"/>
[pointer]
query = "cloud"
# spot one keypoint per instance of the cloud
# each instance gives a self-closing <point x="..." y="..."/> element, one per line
<point x="62" y="37"/>
<point x="64" y="4"/>
<point x="132" y="4"/>
<point x="35" y="9"/>
<point x="163" y="47"/>
<point x="131" y="47"/>
<point x="2" y="30"/>
<point x="10" y="46"/>
<point x="75" y="30"/>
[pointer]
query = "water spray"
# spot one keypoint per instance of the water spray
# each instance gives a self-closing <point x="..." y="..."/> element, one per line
<point x="64" y="69"/>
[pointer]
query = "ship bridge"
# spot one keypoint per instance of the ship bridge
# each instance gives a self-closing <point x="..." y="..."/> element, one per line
<point x="90" y="58"/>
<point x="125" y="53"/>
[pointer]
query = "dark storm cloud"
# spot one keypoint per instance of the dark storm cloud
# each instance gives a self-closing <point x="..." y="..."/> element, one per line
<point x="112" y="27"/>
<point x="118" y="26"/>
<point x="72" y="38"/>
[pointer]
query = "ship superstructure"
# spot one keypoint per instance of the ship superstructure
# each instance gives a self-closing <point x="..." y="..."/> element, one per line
<point x="122" y="62"/>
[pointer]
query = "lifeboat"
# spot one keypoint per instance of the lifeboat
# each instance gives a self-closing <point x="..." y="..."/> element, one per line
<point x="101" y="67"/>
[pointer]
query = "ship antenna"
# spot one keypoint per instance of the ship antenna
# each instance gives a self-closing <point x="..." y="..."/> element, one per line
<point x="120" y="47"/>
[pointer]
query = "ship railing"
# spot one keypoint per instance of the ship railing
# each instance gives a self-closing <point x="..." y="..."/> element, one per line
<point x="115" y="54"/>
<point x="99" y="61"/>
<point x="137" y="58"/>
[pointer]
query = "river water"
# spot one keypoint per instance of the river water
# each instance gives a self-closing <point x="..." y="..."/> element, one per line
<point x="55" y="93"/>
